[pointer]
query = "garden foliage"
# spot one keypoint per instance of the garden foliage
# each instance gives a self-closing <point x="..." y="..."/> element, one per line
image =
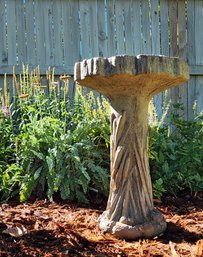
<point x="51" y="144"/>
<point x="176" y="154"/>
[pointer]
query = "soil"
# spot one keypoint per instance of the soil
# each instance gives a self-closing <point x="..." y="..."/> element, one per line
<point x="64" y="229"/>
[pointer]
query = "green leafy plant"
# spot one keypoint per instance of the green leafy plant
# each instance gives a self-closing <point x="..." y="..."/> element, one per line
<point x="56" y="145"/>
<point x="10" y="179"/>
<point x="56" y="161"/>
<point x="158" y="188"/>
<point x="176" y="155"/>
<point x="51" y="144"/>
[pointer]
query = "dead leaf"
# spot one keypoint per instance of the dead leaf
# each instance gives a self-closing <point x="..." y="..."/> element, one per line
<point x="15" y="231"/>
<point x="37" y="225"/>
<point x="53" y="225"/>
<point x="173" y="251"/>
<point x="199" y="249"/>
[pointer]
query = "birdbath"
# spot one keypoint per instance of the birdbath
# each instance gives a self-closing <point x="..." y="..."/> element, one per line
<point x="130" y="82"/>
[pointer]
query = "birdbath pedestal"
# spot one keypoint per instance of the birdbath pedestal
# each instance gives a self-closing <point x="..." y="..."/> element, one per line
<point x="130" y="82"/>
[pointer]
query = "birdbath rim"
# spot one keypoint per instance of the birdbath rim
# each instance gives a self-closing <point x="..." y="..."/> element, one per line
<point x="150" y="74"/>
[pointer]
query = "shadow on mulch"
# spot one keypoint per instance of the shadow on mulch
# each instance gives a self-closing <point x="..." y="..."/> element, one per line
<point x="178" y="234"/>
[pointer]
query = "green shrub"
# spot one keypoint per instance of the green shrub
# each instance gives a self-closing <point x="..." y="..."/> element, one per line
<point x="56" y="161"/>
<point x="176" y="155"/>
<point x="50" y="144"/>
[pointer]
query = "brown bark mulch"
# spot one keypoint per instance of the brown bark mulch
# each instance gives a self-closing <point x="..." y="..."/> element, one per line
<point x="49" y="229"/>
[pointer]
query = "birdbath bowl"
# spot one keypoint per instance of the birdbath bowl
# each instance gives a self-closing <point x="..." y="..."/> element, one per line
<point x="130" y="82"/>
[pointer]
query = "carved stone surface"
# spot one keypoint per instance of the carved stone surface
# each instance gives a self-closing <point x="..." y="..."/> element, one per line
<point x="129" y="82"/>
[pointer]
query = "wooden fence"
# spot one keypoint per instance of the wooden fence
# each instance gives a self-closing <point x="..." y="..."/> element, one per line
<point x="61" y="32"/>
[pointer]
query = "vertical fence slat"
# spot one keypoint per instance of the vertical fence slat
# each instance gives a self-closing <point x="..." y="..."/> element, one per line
<point x="48" y="31"/>
<point x="120" y="27"/>
<point x="67" y="32"/>
<point x="164" y="27"/>
<point x="58" y="47"/>
<point x="191" y="31"/>
<point x="84" y="33"/>
<point x="93" y="28"/>
<point x="195" y="55"/>
<point x="102" y="32"/>
<point x="111" y="28"/>
<point x="199" y="51"/>
<point x="155" y="38"/>
<point x="191" y="54"/>
<point x="136" y="27"/>
<point x="199" y="93"/>
<point x="71" y="89"/>
<point x="173" y="19"/>
<point x="40" y="33"/>
<point x="191" y="95"/>
<point x="11" y="32"/>
<point x="198" y="33"/>
<point x="75" y="31"/>
<point x="2" y="14"/>
<point x="155" y="27"/>
<point x="182" y="50"/>
<point x="20" y="32"/>
<point x="146" y="39"/>
<point x="127" y="8"/>
<point x="182" y="31"/>
<point x="30" y="30"/>
<point x="3" y="48"/>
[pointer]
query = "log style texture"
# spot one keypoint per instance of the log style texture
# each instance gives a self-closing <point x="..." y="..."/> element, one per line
<point x="130" y="82"/>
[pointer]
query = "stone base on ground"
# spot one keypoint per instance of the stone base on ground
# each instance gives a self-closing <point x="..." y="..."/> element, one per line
<point x="124" y="228"/>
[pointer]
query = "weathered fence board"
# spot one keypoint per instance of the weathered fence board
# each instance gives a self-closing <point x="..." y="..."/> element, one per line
<point x="146" y="40"/>
<point x="173" y="42"/>
<point x="136" y="25"/>
<point x="199" y="52"/>
<point x="19" y="32"/>
<point x="120" y="33"/>
<point x="66" y="43"/>
<point x="198" y="33"/>
<point x="182" y="52"/>
<point x="191" y="55"/>
<point x="84" y="29"/>
<point x="155" y="46"/>
<point x="49" y="32"/>
<point x="128" y="28"/>
<point x="3" y="48"/>
<point x="155" y="34"/>
<point x="58" y="47"/>
<point x="30" y="32"/>
<point x="102" y="29"/>
<point x="93" y="28"/>
<point x="11" y="33"/>
<point x="111" y="28"/>
<point x="59" y="33"/>
<point x="40" y="33"/>
<point x="164" y="35"/>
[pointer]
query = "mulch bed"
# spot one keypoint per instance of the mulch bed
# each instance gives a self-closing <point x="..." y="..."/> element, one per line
<point x="48" y="229"/>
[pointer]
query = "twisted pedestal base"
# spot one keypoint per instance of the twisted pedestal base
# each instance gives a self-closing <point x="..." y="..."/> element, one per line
<point x="125" y="229"/>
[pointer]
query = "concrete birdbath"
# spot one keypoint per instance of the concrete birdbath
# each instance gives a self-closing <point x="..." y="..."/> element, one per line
<point x="130" y="82"/>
